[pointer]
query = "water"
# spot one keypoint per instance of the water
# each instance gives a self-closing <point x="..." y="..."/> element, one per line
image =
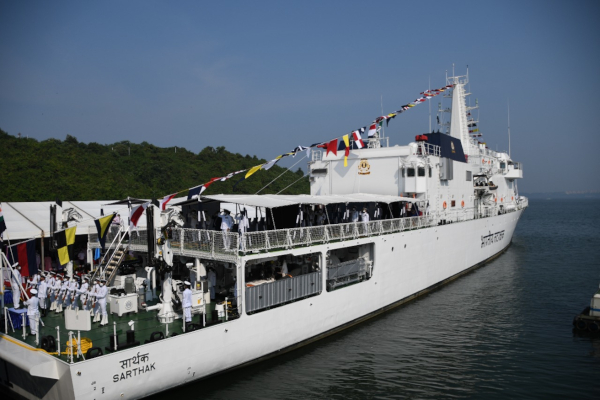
<point x="503" y="331"/>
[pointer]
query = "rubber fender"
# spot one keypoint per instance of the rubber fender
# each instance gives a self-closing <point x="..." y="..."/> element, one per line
<point x="94" y="352"/>
<point x="51" y="343"/>
<point x="581" y="325"/>
<point x="44" y="344"/>
<point x="158" y="335"/>
<point x="593" y="327"/>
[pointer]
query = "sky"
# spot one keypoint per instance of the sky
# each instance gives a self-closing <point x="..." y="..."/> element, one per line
<point x="263" y="77"/>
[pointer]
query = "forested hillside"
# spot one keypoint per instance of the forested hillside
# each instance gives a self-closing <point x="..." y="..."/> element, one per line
<point x="31" y="170"/>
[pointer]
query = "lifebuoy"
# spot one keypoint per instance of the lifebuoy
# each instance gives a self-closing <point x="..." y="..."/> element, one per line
<point x="483" y="160"/>
<point x="462" y="203"/>
<point x="495" y="200"/>
<point x="445" y="205"/>
<point x="512" y="198"/>
<point x="502" y="200"/>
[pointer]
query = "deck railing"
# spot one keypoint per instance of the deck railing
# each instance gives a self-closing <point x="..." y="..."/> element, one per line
<point x="227" y="246"/>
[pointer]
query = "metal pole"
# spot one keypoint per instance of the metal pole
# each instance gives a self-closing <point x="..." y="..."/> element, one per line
<point x="23" y="324"/>
<point x="226" y="309"/>
<point x="58" y="341"/>
<point x="71" y="345"/>
<point x="115" y="334"/>
<point x="42" y="255"/>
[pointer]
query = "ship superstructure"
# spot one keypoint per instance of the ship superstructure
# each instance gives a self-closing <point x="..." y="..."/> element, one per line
<point x="298" y="268"/>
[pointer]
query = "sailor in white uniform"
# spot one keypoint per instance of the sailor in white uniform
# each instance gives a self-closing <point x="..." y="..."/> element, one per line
<point x="226" y="226"/>
<point x="284" y="269"/>
<point x="42" y="293"/>
<point x="364" y="217"/>
<point x="32" y="311"/>
<point x="63" y="295"/>
<point x="93" y="296"/>
<point x="54" y="290"/>
<point x="187" y="302"/>
<point x="101" y="297"/>
<point x="82" y="292"/>
<point x="33" y="281"/>
<point x="15" y="285"/>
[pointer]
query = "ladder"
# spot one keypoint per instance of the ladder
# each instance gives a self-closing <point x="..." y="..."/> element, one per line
<point x="109" y="269"/>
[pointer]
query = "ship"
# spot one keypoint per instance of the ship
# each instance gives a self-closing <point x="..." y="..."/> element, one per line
<point x="381" y="226"/>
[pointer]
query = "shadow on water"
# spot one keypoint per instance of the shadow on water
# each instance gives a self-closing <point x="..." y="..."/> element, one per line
<point x="502" y="331"/>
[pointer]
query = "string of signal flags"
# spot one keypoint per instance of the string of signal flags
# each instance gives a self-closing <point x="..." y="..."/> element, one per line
<point x="329" y="146"/>
<point x="65" y="238"/>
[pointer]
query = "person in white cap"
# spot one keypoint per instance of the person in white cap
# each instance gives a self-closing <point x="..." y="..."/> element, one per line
<point x="226" y="225"/>
<point x="15" y="285"/>
<point x="82" y="292"/>
<point x="187" y="302"/>
<point x="364" y="217"/>
<point x="42" y="293"/>
<point x="101" y="297"/>
<point x="56" y="292"/>
<point x="63" y="295"/>
<point x="92" y="296"/>
<point x="32" y="311"/>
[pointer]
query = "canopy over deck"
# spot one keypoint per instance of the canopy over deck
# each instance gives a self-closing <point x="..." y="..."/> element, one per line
<point x="280" y="200"/>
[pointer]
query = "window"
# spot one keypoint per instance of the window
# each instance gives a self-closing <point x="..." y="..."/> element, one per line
<point x="430" y="172"/>
<point x="349" y="265"/>
<point x="453" y="203"/>
<point x="421" y="171"/>
<point x="411" y="172"/>
<point x="403" y="172"/>
<point x="469" y="175"/>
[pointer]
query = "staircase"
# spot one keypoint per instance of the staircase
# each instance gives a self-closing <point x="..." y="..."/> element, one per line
<point x="108" y="269"/>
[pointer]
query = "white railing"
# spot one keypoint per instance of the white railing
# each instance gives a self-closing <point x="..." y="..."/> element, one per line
<point x="425" y="148"/>
<point x="228" y="246"/>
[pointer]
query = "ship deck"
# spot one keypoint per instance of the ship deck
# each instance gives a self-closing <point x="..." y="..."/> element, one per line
<point x="145" y="323"/>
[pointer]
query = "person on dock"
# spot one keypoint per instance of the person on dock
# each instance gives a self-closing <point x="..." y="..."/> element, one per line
<point x="33" y="312"/>
<point x="15" y="285"/>
<point x="187" y="302"/>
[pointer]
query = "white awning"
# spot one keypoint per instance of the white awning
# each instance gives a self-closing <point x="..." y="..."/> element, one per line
<point x="281" y="200"/>
<point x="25" y="220"/>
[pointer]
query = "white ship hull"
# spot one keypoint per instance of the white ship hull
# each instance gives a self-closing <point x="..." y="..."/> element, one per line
<point x="406" y="264"/>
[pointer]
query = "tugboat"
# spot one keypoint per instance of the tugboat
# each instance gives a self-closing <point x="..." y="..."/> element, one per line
<point x="589" y="319"/>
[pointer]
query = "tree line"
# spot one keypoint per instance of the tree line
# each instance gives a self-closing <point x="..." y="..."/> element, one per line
<point x="32" y="170"/>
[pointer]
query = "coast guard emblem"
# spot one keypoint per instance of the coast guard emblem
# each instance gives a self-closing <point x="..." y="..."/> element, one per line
<point x="452" y="146"/>
<point x="363" y="167"/>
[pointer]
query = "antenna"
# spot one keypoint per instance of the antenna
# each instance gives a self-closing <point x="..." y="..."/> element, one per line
<point x="508" y="105"/>
<point x="429" y="105"/>
<point x="382" y="115"/>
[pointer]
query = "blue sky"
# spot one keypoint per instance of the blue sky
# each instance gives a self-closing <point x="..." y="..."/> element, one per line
<point x="262" y="77"/>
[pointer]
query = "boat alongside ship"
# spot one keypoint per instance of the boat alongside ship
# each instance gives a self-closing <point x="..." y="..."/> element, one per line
<point x="432" y="211"/>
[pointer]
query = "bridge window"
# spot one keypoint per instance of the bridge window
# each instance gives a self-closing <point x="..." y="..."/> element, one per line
<point x="410" y="172"/>
<point x="421" y="171"/>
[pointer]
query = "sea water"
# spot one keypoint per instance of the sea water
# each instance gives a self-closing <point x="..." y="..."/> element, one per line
<point x="503" y="331"/>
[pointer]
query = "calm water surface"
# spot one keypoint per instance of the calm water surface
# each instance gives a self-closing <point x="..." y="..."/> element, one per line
<point x="503" y="331"/>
